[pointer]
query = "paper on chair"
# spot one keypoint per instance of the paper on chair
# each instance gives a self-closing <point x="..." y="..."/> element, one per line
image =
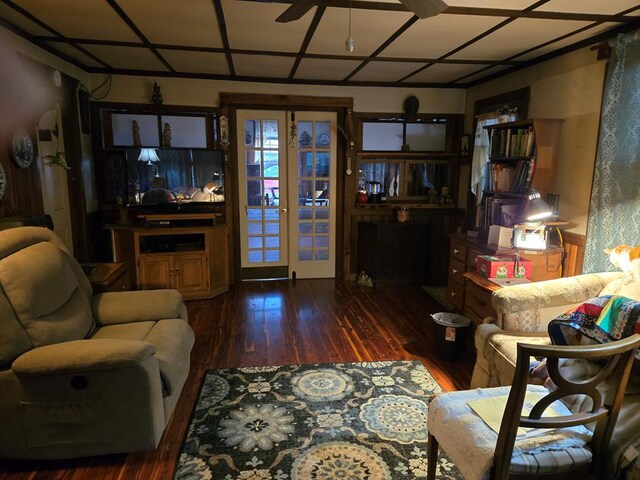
<point x="491" y="411"/>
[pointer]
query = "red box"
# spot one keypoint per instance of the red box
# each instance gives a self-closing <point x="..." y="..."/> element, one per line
<point x="502" y="267"/>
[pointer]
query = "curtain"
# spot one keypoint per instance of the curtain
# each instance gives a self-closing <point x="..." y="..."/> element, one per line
<point x="614" y="213"/>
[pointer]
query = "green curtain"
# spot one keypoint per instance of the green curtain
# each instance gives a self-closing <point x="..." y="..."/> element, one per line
<point x="614" y="213"/>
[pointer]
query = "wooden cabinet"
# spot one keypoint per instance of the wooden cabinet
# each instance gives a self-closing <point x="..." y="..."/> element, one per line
<point x="108" y="277"/>
<point x="185" y="255"/>
<point x="393" y="251"/>
<point x="462" y="260"/>
<point x="477" y="300"/>
<point x="523" y="156"/>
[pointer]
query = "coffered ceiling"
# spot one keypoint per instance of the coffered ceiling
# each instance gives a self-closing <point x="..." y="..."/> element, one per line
<point x="470" y="42"/>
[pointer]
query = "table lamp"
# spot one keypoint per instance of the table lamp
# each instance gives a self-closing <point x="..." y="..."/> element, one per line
<point x="532" y="234"/>
<point x="150" y="156"/>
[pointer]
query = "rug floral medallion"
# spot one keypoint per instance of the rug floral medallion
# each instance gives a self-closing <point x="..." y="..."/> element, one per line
<point x="351" y="421"/>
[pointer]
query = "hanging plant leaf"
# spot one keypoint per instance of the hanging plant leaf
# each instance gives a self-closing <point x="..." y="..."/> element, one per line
<point x="56" y="160"/>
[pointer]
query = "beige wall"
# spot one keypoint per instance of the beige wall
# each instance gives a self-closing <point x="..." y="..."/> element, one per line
<point x="182" y="91"/>
<point x="567" y="87"/>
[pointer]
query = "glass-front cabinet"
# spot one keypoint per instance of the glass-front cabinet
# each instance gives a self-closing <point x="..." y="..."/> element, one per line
<point x="401" y="161"/>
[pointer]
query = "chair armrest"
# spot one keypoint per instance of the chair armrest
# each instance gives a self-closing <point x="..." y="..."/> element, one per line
<point x="112" y="308"/>
<point x="82" y="356"/>
<point x="529" y="307"/>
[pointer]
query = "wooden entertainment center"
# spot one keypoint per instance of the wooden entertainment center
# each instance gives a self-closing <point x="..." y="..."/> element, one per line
<point x="187" y="252"/>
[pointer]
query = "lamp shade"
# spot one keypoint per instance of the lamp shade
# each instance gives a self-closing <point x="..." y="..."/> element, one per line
<point x="148" y="155"/>
<point x="536" y="209"/>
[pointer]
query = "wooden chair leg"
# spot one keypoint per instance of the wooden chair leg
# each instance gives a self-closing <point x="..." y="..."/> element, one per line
<point x="432" y="457"/>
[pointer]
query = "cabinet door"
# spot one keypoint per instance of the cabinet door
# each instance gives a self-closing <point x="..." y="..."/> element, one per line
<point x="155" y="271"/>
<point x="191" y="273"/>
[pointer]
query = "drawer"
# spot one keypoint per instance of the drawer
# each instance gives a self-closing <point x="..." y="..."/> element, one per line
<point x="472" y="253"/>
<point x="477" y="302"/>
<point x="456" y="295"/>
<point x="456" y="270"/>
<point x="458" y="250"/>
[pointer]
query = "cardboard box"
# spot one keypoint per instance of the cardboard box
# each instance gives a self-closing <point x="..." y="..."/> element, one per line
<point x="500" y="236"/>
<point x="502" y="267"/>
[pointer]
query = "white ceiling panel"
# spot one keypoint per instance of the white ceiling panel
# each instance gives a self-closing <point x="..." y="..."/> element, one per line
<point x="563" y="43"/>
<point x="519" y="35"/>
<point x="93" y="19"/>
<point x="169" y="22"/>
<point x="197" y="62"/>
<point x="253" y="26"/>
<point x="436" y="36"/>
<point x="262" y="66"/>
<point x="385" y="71"/>
<point x="321" y="69"/>
<point x="21" y="21"/>
<point x="508" y="4"/>
<point x="73" y="52"/>
<point x="132" y="58"/>
<point x="369" y="29"/>
<point x="445" y="72"/>
<point x="604" y="7"/>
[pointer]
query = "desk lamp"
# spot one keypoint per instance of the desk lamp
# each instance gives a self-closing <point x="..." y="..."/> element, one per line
<point x="150" y="156"/>
<point x="531" y="235"/>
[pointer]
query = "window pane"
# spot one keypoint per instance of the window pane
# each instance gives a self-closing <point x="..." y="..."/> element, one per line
<point x="305" y="214"/>
<point x="255" y="214"/>
<point x="322" y="214"/>
<point x="271" y="214"/>
<point x="272" y="228"/>
<point x="322" y="254"/>
<point x="322" y="164"/>
<point x="254" y="192"/>
<point x="322" y="227"/>
<point x="383" y="136"/>
<point x="254" y="228"/>
<point x="271" y="192"/>
<point x="272" y="242"/>
<point x="252" y="133"/>
<point x="423" y="177"/>
<point x="305" y="134"/>
<point x="305" y="255"/>
<point x="272" y="255"/>
<point x="305" y="228"/>
<point x="305" y="162"/>
<point x="322" y="241"/>
<point x="323" y="134"/>
<point x="255" y="242"/>
<point x="270" y="133"/>
<point x="305" y="242"/>
<point x="255" y="256"/>
<point x="426" y="137"/>
<point x="252" y="160"/>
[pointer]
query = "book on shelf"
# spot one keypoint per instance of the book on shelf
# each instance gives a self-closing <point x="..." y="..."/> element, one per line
<point x="501" y="211"/>
<point x="510" y="142"/>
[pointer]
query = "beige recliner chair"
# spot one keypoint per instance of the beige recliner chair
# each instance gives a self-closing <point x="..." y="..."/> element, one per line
<point x="82" y="374"/>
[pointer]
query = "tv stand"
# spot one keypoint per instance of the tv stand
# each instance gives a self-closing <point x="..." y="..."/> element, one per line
<point x="187" y="252"/>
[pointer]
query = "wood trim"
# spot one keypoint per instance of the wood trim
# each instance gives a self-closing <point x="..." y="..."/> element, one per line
<point x="222" y="25"/>
<point x="307" y="39"/>
<point x="574" y="248"/>
<point x="258" y="100"/>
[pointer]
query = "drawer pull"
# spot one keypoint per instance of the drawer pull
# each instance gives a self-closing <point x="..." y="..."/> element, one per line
<point x="454" y="271"/>
<point x="453" y="294"/>
<point x="455" y="250"/>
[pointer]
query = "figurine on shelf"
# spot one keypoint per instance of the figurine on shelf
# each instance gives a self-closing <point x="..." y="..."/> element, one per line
<point x="445" y="196"/>
<point x="166" y="135"/>
<point x="135" y="130"/>
<point x="156" y="96"/>
<point x="433" y="195"/>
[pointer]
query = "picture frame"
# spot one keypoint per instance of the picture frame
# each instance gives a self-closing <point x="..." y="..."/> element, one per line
<point x="465" y="149"/>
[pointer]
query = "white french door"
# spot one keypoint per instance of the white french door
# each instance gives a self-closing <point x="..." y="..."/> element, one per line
<point x="287" y="191"/>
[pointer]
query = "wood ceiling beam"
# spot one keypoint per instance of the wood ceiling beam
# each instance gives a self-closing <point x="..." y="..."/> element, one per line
<point x="307" y="39"/>
<point x="222" y="26"/>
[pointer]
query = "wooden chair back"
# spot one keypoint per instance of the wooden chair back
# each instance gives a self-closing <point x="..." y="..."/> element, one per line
<point x="617" y="358"/>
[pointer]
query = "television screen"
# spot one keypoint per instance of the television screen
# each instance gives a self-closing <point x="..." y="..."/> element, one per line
<point x="156" y="176"/>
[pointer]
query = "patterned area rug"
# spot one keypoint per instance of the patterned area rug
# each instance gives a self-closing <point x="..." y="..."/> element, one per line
<point x="440" y="295"/>
<point x="352" y="421"/>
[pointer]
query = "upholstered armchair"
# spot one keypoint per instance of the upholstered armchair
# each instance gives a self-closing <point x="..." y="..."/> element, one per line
<point x="524" y="312"/>
<point x="82" y="374"/>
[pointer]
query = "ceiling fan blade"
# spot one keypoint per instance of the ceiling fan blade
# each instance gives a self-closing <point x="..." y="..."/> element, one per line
<point x="297" y="9"/>
<point x="425" y="8"/>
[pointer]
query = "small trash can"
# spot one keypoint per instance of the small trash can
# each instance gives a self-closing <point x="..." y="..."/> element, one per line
<point x="451" y="330"/>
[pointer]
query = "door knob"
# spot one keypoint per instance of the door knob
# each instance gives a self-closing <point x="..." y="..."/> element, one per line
<point x="283" y="210"/>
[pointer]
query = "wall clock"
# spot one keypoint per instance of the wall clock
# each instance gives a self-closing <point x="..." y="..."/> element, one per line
<point x="22" y="148"/>
<point x="3" y="181"/>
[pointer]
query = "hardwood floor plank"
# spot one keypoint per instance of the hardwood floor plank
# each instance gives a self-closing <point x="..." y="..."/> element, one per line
<point x="277" y="323"/>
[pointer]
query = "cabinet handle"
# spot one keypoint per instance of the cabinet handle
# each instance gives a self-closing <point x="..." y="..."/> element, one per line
<point x="454" y="271"/>
<point x="455" y="250"/>
<point x="171" y="272"/>
<point x="453" y="294"/>
<point x="177" y="270"/>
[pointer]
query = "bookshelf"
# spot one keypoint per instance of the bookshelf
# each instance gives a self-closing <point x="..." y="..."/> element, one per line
<point x="523" y="155"/>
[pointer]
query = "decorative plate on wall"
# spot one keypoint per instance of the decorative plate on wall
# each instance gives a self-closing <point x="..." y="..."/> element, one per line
<point x="22" y="148"/>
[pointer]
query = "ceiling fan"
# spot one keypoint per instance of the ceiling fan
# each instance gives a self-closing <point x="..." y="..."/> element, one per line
<point x="421" y="8"/>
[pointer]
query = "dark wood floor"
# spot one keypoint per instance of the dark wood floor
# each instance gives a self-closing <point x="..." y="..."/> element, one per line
<point x="278" y="323"/>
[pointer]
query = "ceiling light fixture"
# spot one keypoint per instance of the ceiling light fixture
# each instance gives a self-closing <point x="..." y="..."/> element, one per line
<point x="349" y="43"/>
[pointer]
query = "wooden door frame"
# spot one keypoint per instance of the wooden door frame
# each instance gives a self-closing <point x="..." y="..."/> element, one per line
<point x="229" y="104"/>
